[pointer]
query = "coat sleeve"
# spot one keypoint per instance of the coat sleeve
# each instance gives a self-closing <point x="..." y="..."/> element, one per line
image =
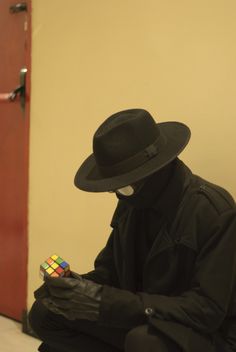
<point x="204" y="306"/>
<point x="104" y="270"/>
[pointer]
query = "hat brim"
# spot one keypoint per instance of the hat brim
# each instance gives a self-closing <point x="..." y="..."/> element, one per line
<point x="89" y="179"/>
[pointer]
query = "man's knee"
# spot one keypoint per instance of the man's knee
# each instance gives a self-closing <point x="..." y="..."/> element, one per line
<point x="143" y="338"/>
<point x="136" y="339"/>
<point x="37" y="316"/>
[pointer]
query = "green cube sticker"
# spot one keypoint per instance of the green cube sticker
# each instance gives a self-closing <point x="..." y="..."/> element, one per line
<point x="59" y="260"/>
<point x="45" y="265"/>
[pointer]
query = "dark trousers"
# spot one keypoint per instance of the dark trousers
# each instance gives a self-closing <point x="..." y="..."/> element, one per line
<point x="61" y="335"/>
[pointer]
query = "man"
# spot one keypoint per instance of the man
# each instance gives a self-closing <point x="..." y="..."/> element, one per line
<point x="165" y="281"/>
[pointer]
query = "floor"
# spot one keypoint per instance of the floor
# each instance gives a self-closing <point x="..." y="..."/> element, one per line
<point x="13" y="340"/>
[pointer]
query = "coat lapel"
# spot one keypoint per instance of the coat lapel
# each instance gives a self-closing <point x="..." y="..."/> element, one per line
<point x="126" y="230"/>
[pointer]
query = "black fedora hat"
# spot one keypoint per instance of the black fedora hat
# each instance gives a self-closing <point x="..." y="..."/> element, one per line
<point x="128" y="146"/>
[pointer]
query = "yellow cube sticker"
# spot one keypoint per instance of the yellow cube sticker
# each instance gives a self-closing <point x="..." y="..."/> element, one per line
<point x="54" y="265"/>
<point x="54" y="256"/>
<point x="49" y="271"/>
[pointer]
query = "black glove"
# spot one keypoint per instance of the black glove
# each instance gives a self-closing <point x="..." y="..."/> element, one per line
<point x="43" y="291"/>
<point x="74" y="298"/>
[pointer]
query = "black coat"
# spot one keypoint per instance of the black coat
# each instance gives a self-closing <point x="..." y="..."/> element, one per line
<point x="189" y="277"/>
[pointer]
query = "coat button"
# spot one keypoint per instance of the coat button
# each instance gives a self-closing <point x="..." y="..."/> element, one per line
<point x="149" y="312"/>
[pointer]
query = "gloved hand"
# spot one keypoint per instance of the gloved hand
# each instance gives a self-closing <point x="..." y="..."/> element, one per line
<point x="43" y="291"/>
<point x="73" y="298"/>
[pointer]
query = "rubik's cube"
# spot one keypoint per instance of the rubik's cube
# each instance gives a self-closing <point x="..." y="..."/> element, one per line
<point x="54" y="266"/>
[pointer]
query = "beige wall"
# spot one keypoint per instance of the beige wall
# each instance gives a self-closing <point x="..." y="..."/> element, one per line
<point x="92" y="58"/>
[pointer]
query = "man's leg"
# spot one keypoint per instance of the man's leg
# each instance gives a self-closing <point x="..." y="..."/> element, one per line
<point x="144" y="338"/>
<point x="62" y="335"/>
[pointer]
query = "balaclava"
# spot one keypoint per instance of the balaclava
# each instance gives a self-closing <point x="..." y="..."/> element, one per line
<point x="145" y="192"/>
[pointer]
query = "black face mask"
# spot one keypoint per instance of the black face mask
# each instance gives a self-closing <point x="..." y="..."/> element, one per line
<point x="147" y="191"/>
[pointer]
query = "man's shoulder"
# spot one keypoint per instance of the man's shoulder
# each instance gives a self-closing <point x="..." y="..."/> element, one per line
<point x="202" y="201"/>
<point x="205" y="207"/>
<point x="212" y="195"/>
<point x="203" y="192"/>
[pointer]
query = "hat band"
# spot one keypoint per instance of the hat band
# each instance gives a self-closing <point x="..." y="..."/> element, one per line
<point x="135" y="161"/>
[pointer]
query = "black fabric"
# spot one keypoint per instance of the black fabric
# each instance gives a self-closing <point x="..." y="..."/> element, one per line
<point x="61" y="335"/>
<point x="148" y="220"/>
<point x="72" y="297"/>
<point x="147" y="228"/>
<point x="127" y="147"/>
<point x="186" y="279"/>
<point x="145" y="339"/>
<point x="153" y="187"/>
<point x="134" y="161"/>
<point x="111" y="140"/>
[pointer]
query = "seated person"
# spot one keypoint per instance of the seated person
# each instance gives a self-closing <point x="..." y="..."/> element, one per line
<point x="166" y="279"/>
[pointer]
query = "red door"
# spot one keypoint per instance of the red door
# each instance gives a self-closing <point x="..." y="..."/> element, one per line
<point x="14" y="147"/>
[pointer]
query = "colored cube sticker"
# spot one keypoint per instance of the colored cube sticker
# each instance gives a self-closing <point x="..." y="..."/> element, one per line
<point x="54" y="257"/>
<point x="59" y="270"/>
<point x="59" y="260"/>
<point x="54" y="266"/>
